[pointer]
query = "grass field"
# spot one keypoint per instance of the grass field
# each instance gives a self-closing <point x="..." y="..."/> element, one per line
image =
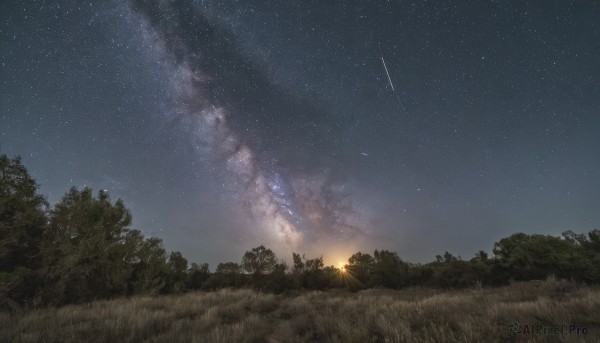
<point x="376" y="315"/>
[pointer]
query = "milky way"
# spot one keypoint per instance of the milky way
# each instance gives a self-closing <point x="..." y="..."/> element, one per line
<point x="282" y="156"/>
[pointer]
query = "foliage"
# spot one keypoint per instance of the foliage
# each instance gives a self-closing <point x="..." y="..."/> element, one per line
<point x="226" y="275"/>
<point x="309" y="273"/>
<point x="22" y="222"/>
<point x="259" y="261"/>
<point x="178" y="273"/>
<point x="83" y="249"/>
<point x="148" y="260"/>
<point x="360" y="266"/>
<point x="197" y="275"/>
<point x="534" y="257"/>
<point x="389" y="270"/>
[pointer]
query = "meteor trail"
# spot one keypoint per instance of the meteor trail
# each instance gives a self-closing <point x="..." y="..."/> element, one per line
<point x="386" y="71"/>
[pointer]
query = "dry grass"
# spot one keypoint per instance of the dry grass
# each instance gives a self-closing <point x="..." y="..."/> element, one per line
<point x="377" y="315"/>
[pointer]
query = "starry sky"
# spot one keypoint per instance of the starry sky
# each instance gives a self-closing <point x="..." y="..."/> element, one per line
<point x="321" y="127"/>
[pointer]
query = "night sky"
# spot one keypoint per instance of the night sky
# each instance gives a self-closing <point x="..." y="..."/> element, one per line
<point x="321" y="127"/>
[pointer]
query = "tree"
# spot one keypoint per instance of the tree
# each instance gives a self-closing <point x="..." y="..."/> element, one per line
<point x="308" y="273"/>
<point x="594" y="240"/>
<point x="298" y="267"/>
<point x="315" y="277"/>
<point x="389" y="270"/>
<point x="228" y="268"/>
<point x="197" y="275"/>
<point x="586" y="259"/>
<point x="177" y="279"/>
<point x="591" y="252"/>
<point x="360" y="266"/>
<point x="148" y="260"/>
<point x="277" y="281"/>
<point x="480" y="256"/>
<point x="574" y="238"/>
<point x="298" y="270"/>
<point x="226" y="275"/>
<point x="259" y="261"/>
<point x="84" y="249"/>
<point x="314" y="265"/>
<point x="506" y="248"/>
<point x="23" y="219"/>
<point x="448" y="257"/>
<point x="530" y="257"/>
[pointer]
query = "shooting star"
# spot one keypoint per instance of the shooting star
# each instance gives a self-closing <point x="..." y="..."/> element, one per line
<point x="364" y="154"/>
<point x="386" y="71"/>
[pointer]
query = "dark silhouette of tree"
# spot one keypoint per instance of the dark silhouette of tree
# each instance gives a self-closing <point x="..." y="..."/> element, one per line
<point x="448" y="257"/>
<point x="594" y="240"/>
<point x="197" y="275"/>
<point x="85" y="248"/>
<point x="22" y="222"/>
<point x="574" y="238"/>
<point x="298" y="266"/>
<point x="148" y="260"/>
<point x="585" y="261"/>
<point x="277" y="281"/>
<point x="309" y="273"/>
<point x="315" y="277"/>
<point x="298" y="270"/>
<point x="533" y="257"/>
<point x="421" y="274"/>
<point x="389" y="270"/>
<point x="229" y="268"/>
<point x="360" y="266"/>
<point x="226" y="275"/>
<point x="591" y="253"/>
<point x="177" y="278"/>
<point x="481" y="256"/>
<point x="259" y="262"/>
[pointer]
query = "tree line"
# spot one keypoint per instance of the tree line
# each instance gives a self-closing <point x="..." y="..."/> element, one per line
<point x="83" y="248"/>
